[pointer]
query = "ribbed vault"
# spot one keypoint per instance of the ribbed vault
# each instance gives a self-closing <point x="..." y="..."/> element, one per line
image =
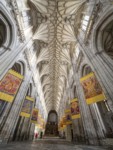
<point x="54" y="31"/>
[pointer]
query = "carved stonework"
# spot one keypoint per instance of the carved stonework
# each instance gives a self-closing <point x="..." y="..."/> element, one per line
<point x="18" y="20"/>
<point x="27" y="59"/>
<point x="93" y="18"/>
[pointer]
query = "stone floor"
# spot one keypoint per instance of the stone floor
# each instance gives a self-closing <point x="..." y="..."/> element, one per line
<point x="49" y="144"/>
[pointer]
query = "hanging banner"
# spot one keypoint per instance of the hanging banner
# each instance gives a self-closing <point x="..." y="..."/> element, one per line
<point x="92" y="89"/>
<point x="39" y="119"/>
<point x="75" y="112"/>
<point x="27" y="107"/>
<point x="9" y="85"/>
<point x="34" y="116"/>
<point x="42" y="123"/>
<point x="38" y="125"/>
<point x="68" y="116"/>
<point x="43" y="126"/>
<point x="2" y="105"/>
<point x="64" y="122"/>
<point x="61" y="125"/>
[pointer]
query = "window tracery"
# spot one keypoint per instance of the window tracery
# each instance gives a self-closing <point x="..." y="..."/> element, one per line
<point x="2" y="33"/>
<point x="108" y="39"/>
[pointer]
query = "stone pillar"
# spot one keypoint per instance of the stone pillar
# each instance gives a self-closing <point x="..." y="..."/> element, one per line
<point x="31" y="134"/>
<point x="68" y="133"/>
<point x="19" y="129"/>
<point x="28" y="131"/>
<point x="4" y="115"/>
<point x="104" y="71"/>
<point x="13" y="115"/>
<point x="8" y="58"/>
<point x="24" y="129"/>
<point x="97" y="120"/>
<point x="77" y="135"/>
<point x="81" y="129"/>
<point x="90" y="131"/>
<point x="102" y="65"/>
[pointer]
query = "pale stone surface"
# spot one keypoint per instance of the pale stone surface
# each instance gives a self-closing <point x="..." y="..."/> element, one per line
<point x="50" y="144"/>
<point x="52" y="70"/>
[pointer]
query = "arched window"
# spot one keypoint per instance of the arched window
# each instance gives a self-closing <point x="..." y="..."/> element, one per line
<point x="52" y="123"/>
<point x="107" y="39"/>
<point x="103" y="37"/>
<point x="29" y="91"/>
<point x="8" y="34"/>
<point x="86" y="70"/>
<point x="52" y="117"/>
<point x="102" y="106"/>
<point x="18" y="67"/>
<point x="84" y="22"/>
<point x="2" y="33"/>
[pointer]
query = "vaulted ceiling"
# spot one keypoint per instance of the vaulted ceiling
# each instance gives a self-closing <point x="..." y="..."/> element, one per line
<point x="54" y="24"/>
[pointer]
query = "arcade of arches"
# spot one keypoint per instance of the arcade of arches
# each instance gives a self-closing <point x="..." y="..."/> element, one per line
<point x="56" y="73"/>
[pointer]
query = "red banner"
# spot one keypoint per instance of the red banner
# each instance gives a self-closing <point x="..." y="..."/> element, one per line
<point x="34" y="116"/>
<point x="92" y="89"/>
<point x="9" y="85"/>
<point x="75" y="112"/>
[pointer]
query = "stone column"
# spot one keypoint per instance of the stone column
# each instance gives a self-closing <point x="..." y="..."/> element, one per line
<point x="19" y="128"/>
<point x="90" y="132"/>
<point x="28" y="131"/>
<point x="76" y="132"/>
<point x="68" y="133"/>
<point x="4" y="115"/>
<point x="32" y="128"/>
<point x="24" y="128"/>
<point x="102" y="65"/>
<point x="8" y="58"/>
<point x="97" y="120"/>
<point x="13" y="115"/>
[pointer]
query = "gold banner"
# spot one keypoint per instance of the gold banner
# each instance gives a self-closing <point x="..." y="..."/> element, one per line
<point x="64" y="120"/>
<point x="34" y="116"/>
<point x="27" y="107"/>
<point x="92" y="89"/>
<point x="9" y="85"/>
<point x="64" y="126"/>
<point x="38" y="125"/>
<point x="43" y="126"/>
<point x="75" y="112"/>
<point x="61" y="125"/>
<point x="40" y="120"/>
<point x="68" y="116"/>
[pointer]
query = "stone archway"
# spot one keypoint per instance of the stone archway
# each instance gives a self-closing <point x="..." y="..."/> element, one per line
<point x="107" y="39"/>
<point x="2" y="33"/>
<point x="8" y="32"/>
<point x="100" y="112"/>
<point x="52" y="124"/>
<point x="18" y="67"/>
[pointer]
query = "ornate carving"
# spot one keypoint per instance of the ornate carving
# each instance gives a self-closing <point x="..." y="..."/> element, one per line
<point x="27" y="59"/>
<point x="93" y="18"/>
<point x="18" y="19"/>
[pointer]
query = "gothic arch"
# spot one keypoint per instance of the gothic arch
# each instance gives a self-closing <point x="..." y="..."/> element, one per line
<point x="8" y="30"/>
<point x="102" y="105"/>
<point x="19" y="67"/>
<point x="51" y="114"/>
<point x="30" y="89"/>
<point x="86" y="69"/>
<point x="102" y="35"/>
